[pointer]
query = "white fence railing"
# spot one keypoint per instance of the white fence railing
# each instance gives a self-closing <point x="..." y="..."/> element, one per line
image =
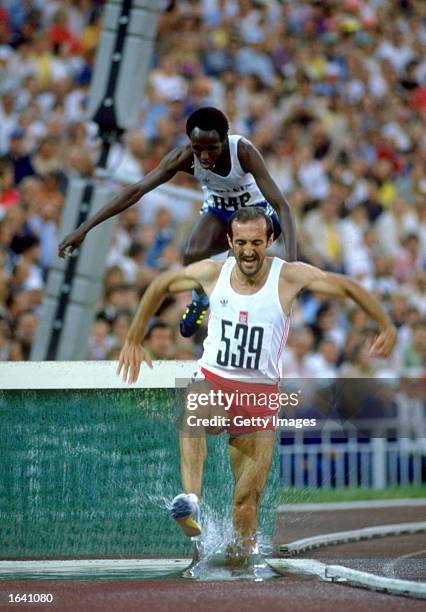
<point x="323" y="461"/>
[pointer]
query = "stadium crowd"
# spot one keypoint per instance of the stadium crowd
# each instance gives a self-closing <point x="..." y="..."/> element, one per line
<point x="333" y="93"/>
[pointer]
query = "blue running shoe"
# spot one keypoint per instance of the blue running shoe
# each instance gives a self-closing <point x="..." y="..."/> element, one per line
<point x="186" y="512"/>
<point x="194" y="314"/>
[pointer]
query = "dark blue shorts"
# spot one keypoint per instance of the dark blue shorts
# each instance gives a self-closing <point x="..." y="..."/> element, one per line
<point x="225" y="215"/>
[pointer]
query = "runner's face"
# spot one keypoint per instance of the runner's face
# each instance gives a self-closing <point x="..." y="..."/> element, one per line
<point x="207" y="147"/>
<point x="249" y="244"/>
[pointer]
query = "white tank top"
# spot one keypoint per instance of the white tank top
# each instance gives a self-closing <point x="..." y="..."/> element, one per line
<point x="246" y="333"/>
<point x="228" y="193"/>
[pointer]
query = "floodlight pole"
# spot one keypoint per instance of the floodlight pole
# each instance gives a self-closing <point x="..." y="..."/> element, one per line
<point x="74" y="285"/>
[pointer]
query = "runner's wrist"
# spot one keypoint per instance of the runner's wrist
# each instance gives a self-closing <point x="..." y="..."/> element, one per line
<point x="134" y="338"/>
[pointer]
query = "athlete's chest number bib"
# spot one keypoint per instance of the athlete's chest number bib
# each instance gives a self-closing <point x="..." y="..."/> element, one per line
<point x="241" y="345"/>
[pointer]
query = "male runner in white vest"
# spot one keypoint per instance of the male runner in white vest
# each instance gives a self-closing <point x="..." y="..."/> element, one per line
<point x="232" y="174"/>
<point x="251" y="298"/>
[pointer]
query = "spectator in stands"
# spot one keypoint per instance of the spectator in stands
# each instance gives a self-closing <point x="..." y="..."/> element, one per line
<point x="126" y="165"/>
<point x="393" y="225"/>
<point x="296" y="354"/>
<point x="334" y="99"/>
<point x="131" y="263"/>
<point x="159" y="341"/>
<point x="19" y="156"/>
<point x="323" y="364"/>
<point x="359" y="363"/>
<point x="322" y="228"/>
<point x="47" y="158"/>
<point x="120" y="326"/>
<point x="414" y="355"/>
<point x="9" y="195"/>
<point x="114" y="275"/>
<point x="118" y="298"/>
<point x="8" y="120"/>
<point x="164" y="231"/>
<point x="409" y="260"/>
<point x="356" y="259"/>
<point x="100" y="341"/>
<point x="326" y="326"/>
<point x="25" y="330"/>
<point x="381" y="404"/>
<point x="17" y="351"/>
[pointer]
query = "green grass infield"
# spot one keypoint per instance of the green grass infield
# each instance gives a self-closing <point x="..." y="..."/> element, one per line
<point x="313" y="496"/>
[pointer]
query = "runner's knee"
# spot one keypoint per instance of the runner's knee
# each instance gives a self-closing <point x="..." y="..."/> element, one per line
<point x="246" y="500"/>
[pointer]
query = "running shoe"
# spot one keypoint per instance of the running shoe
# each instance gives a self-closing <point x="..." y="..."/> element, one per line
<point x="194" y="314"/>
<point x="186" y="512"/>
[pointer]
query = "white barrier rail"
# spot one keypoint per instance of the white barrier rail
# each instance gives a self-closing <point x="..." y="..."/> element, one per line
<point x="157" y="568"/>
<point x="340" y="574"/>
<point x="90" y="375"/>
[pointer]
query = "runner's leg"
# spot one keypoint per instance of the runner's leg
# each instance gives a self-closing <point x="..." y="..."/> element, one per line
<point x="251" y="458"/>
<point x="208" y="237"/>
<point x="193" y="451"/>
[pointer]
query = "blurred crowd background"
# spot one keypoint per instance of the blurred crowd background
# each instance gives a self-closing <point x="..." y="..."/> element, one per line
<point x="333" y="93"/>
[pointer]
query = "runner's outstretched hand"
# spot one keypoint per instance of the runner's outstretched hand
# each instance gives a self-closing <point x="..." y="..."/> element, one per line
<point x="130" y="360"/>
<point x="71" y="242"/>
<point x="383" y="344"/>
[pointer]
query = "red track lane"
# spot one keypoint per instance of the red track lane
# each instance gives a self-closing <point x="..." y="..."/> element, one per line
<point x="293" y="593"/>
<point x="288" y="593"/>
<point x="295" y="525"/>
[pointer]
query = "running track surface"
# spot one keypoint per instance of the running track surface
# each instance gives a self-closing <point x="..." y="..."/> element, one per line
<point x="400" y="557"/>
<point x="288" y="593"/>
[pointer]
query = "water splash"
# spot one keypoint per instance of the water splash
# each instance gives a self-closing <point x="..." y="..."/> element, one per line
<point x="217" y="554"/>
<point x="211" y="557"/>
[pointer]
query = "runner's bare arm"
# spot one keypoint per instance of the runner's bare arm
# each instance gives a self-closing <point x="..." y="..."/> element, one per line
<point x="176" y="160"/>
<point x="200" y="275"/>
<point x="252" y="161"/>
<point x="340" y="286"/>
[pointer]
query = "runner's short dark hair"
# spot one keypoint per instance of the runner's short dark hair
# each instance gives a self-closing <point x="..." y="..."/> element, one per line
<point x="251" y="213"/>
<point x="208" y="118"/>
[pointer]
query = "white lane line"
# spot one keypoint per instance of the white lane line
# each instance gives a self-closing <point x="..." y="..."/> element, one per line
<point x="389" y="568"/>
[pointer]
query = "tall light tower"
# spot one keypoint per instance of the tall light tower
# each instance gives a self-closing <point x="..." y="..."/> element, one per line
<point x="117" y="88"/>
